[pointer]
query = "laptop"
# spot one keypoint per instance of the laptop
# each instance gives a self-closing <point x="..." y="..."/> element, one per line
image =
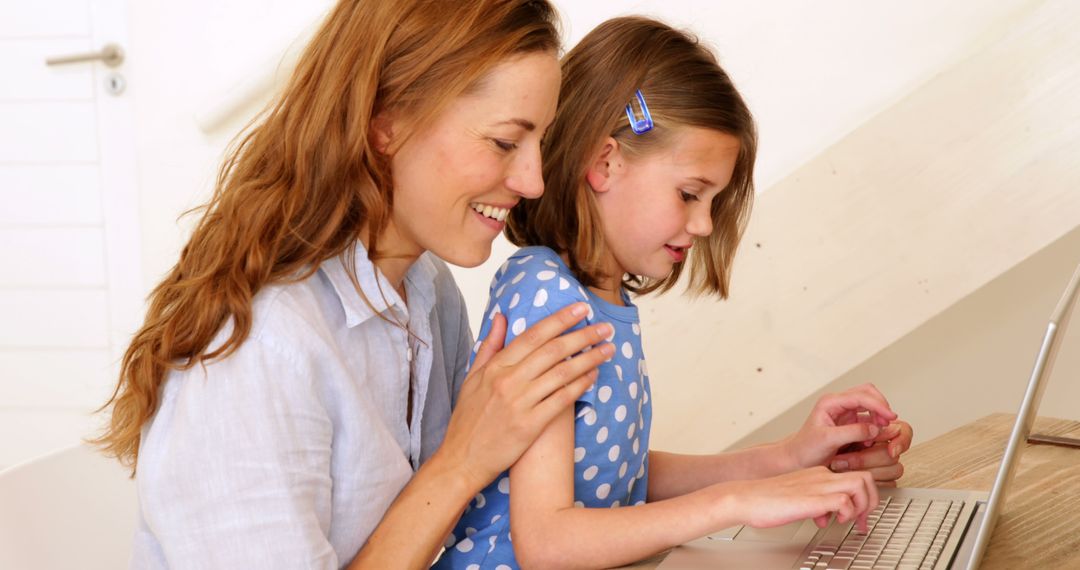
<point x="926" y="529"/>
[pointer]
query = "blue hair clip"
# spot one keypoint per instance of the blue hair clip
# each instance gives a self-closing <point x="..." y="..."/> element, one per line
<point x="643" y="125"/>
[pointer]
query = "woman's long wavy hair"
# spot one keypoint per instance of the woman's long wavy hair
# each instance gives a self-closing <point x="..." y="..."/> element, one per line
<point x="684" y="86"/>
<point x="305" y="182"/>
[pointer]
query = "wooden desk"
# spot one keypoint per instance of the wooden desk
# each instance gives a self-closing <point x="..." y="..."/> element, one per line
<point x="1040" y="523"/>
<point x="1039" y="527"/>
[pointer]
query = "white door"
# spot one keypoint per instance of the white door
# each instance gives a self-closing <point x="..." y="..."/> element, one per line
<point x="70" y="290"/>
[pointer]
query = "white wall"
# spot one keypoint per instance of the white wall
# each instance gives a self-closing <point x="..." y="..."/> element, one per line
<point x="812" y="72"/>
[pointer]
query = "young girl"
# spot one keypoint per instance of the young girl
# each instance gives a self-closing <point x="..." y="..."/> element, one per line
<point x="648" y="163"/>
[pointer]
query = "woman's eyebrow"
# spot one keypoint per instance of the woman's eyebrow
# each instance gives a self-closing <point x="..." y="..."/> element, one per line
<point x="525" y="124"/>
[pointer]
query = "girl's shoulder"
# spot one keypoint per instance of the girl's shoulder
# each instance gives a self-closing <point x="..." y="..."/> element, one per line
<point x="540" y="272"/>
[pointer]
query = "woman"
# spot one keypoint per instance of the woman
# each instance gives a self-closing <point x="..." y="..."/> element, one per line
<point x="285" y="400"/>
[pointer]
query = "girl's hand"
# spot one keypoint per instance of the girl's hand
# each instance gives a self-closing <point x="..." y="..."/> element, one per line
<point x="882" y="459"/>
<point x="814" y="493"/>
<point x="511" y="394"/>
<point x="852" y="420"/>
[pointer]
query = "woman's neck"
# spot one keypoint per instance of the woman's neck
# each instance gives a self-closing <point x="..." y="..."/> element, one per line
<point x="396" y="256"/>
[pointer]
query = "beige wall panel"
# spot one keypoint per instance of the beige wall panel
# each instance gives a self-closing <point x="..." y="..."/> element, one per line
<point x="918" y="208"/>
<point x="973" y="359"/>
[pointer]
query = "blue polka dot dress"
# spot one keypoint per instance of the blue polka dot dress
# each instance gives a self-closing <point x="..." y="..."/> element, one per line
<point x="612" y="419"/>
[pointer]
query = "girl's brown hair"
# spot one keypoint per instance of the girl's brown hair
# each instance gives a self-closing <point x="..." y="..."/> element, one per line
<point x="684" y="86"/>
<point x="304" y="183"/>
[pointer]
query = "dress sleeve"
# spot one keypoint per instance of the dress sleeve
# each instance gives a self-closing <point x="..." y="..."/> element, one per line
<point x="237" y="472"/>
<point x="525" y="296"/>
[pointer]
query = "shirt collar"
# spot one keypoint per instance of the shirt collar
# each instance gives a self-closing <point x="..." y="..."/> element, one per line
<point x="419" y="283"/>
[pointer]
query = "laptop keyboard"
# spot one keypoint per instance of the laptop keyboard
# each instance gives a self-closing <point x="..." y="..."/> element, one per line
<point x="902" y="534"/>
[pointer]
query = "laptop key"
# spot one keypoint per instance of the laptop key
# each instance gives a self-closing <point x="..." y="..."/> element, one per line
<point x="840" y="563"/>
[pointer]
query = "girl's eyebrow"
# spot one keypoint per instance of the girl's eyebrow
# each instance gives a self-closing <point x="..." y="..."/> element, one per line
<point x="703" y="180"/>
<point x="525" y="124"/>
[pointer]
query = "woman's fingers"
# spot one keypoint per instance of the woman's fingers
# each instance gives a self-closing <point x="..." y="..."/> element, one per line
<point x="560" y="358"/>
<point x="566" y="371"/>
<point x="537" y="335"/>
<point x="492" y="344"/>
<point x="556" y="402"/>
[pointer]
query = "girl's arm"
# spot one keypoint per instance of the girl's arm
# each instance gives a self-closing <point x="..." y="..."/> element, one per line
<point x="850" y="419"/>
<point x="508" y="398"/>
<point x="673" y="474"/>
<point x="549" y="532"/>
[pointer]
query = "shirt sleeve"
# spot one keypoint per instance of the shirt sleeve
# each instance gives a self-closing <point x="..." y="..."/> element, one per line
<point x="237" y="472"/>
<point x="464" y="352"/>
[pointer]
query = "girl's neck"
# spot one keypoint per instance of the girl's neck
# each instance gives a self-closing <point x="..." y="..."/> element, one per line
<point x="610" y="288"/>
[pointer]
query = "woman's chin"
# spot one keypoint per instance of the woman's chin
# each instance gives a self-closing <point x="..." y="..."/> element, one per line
<point x="464" y="257"/>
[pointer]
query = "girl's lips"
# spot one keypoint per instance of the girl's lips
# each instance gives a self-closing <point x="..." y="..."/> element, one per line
<point x="676" y="253"/>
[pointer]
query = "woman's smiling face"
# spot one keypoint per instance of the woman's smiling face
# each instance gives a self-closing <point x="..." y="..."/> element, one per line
<point x="456" y="177"/>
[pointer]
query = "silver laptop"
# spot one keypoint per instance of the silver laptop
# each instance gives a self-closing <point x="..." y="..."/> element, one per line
<point x="930" y="529"/>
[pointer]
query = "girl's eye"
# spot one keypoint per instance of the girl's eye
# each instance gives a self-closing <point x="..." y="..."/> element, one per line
<point x="505" y="146"/>
<point x="688" y="197"/>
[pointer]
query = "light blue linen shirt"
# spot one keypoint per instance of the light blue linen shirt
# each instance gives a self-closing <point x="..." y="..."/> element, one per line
<point x="287" y="453"/>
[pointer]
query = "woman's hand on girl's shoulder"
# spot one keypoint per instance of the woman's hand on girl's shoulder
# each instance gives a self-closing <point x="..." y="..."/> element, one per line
<point x="511" y="394"/>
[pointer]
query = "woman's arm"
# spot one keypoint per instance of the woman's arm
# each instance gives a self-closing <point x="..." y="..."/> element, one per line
<point x="549" y="532"/>
<point x="508" y="398"/>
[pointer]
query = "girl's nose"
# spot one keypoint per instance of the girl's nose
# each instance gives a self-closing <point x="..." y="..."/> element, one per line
<point x="700" y="223"/>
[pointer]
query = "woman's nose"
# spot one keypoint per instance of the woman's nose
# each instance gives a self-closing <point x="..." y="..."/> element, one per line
<point x="527" y="179"/>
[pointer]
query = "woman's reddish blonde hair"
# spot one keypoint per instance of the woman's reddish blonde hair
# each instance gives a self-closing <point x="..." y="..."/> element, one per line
<point x="305" y="183"/>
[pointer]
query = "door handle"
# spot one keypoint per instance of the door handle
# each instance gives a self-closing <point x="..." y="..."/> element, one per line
<point x="111" y="55"/>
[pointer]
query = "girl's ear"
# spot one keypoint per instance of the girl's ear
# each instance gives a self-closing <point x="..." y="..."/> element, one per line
<point x="607" y="163"/>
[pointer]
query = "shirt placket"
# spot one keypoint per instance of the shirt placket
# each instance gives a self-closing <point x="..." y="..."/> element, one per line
<point x="421" y="329"/>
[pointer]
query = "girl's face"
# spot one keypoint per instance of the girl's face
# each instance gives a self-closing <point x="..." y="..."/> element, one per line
<point x="456" y="178"/>
<point x="653" y="206"/>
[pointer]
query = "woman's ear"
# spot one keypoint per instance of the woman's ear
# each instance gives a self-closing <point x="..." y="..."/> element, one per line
<point x="382" y="132"/>
<point x="606" y="165"/>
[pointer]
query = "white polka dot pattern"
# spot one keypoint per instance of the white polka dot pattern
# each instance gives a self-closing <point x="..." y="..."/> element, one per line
<point x="611" y="420"/>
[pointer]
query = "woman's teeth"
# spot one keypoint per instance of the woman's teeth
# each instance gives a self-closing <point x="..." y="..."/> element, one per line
<point x="493" y="212"/>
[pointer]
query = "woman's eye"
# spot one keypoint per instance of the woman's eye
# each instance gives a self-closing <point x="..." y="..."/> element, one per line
<point x="688" y="197"/>
<point x="505" y="146"/>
